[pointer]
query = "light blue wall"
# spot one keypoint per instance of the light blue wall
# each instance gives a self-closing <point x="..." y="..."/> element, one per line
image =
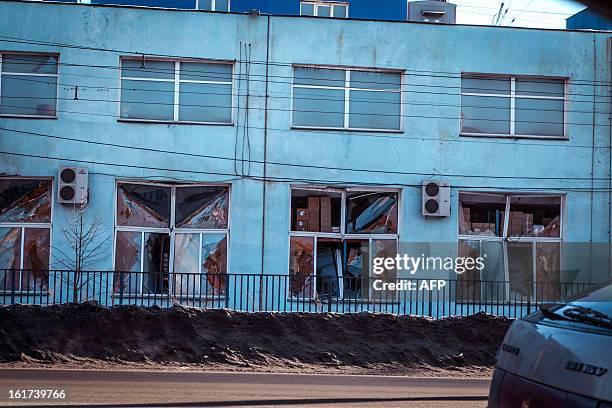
<point x="429" y="144"/>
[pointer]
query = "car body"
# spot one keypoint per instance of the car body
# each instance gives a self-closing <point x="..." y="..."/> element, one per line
<point x="560" y="356"/>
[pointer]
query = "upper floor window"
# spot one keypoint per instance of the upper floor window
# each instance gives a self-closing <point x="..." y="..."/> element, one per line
<point x="512" y="106"/>
<point x="25" y="233"/>
<point x="176" y="91"/>
<point x="28" y="85"/>
<point x="213" y="5"/>
<point x="346" y="98"/>
<point x="324" y="9"/>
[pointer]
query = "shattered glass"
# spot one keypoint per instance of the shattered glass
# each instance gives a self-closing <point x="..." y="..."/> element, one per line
<point x="384" y="248"/>
<point x="156" y="262"/>
<point x="143" y="205"/>
<point x="10" y="253"/>
<point x="520" y="270"/>
<point x="329" y="268"/>
<point x="372" y="212"/>
<point x="301" y="267"/>
<point x="214" y="263"/>
<point x="548" y="270"/>
<point x="186" y="264"/>
<point x="127" y="259"/>
<point x="356" y="269"/>
<point x="202" y="207"/>
<point x="25" y="200"/>
<point x="36" y="259"/>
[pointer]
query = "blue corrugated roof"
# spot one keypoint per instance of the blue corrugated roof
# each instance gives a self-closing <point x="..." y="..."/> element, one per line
<point x="588" y="19"/>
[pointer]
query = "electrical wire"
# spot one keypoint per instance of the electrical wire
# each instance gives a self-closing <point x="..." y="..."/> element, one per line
<point x="308" y="166"/>
<point x="317" y="181"/>
<point x="199" y="59"/>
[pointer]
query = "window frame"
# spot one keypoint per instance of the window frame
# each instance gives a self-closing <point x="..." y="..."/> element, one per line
<point x="56" y="76"/>
<point x="33" y="225"/>
<point x="176" y="92"/>
<point x="342" y="235"/>
<point x="347" y="91"/>
<point x="214" y="6"/>
<point x="512" y="96"/>
<point x="331" y="4"/>
<point x="171" y="231"/>
<point x="506" y="239"/>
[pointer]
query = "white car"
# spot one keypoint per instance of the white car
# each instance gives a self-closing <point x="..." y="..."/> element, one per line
<point x="560" y="356"/>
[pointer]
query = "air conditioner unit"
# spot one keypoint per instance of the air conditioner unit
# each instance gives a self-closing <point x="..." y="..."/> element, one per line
<point x="435" y="198"/>
<point x="72" y="185"/>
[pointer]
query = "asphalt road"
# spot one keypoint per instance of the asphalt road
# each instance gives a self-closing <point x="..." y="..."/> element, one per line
<point x="201" y="389"/>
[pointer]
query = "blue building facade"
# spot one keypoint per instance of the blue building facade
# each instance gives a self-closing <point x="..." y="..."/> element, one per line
<point x="263" y="162"/>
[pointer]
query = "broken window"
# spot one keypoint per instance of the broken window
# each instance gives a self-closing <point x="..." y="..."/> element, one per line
<point x="301" y="267"/>
<point x="28" y="85"/>
<point x="481" y="214"/>
<point x="329" y="268"/>
<point x="519" y="236"/>
<point x="371" y="212"/>
<point x="25" y="200"/>
<point x="346" y="99"/>
<point x="383" y="248"/>
<point x="202" y="207"/>
<point x="147" y="234"/>
<point x="143" y="205"/>
<point x="535" y="216"/>
<point x="25" y="228"/>
<point x="512" y="106"/>
<point x="200" y="91"/>
<point x="316" y="210"/>
<point x="357" y="275"/>
<point x="340" y="246"/>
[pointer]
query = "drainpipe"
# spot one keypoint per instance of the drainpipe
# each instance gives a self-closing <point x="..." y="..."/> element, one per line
<point x="593" y="158"/>
<point x="609" y="249"/>
<point x="265" y="169"/>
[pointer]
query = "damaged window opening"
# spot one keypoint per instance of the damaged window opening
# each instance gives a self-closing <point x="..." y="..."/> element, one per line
<point x="331" y="259"/>
<point x="25" y="234"/>
<point x="28" y="85"/>
<point x="512" y="106"/>
<point x="349" y="99"/>
<point x="520" y="236"/>
<point x="148" y="235"/>
<point x="176" y="91"/>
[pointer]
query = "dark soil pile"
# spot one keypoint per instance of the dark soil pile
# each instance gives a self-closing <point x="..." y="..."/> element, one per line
<point x="125" y="334"/>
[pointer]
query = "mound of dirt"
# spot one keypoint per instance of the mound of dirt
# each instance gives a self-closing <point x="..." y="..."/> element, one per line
<point x="126" y="334"/>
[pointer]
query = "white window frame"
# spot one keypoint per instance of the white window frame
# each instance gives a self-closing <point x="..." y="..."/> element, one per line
<point x="342" y="235"/>
<point x="31" y="74"/>
<point x="30" y="225"/>
<point x="346" y="86"/>
<point x="512" y="96"/>
<point x="171" y="231"/>
<point x="505" y="238"/>
<point x="177" y="81"/>
<point x="214" y="6"/>
<point x="330" y="4"/>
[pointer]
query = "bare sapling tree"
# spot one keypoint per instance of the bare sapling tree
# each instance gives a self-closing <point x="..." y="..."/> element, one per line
<point x="86" y="246"/>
